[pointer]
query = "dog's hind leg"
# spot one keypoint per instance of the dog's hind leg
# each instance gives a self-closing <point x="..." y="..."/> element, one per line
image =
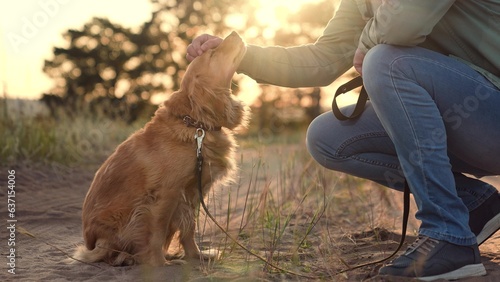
<point x="148" y="230"/>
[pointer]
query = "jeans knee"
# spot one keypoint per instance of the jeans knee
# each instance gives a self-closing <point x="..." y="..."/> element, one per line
<point x="383" y="62"/>
<point x="313" y="136"/>
<point x="319" y="141"/>
<point x="323" y="139"/>
<point x="378" y="60"/>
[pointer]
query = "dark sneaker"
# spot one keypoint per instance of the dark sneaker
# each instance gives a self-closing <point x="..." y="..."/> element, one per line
<point x="485" y="220"/>
<point x="429" y="259"/>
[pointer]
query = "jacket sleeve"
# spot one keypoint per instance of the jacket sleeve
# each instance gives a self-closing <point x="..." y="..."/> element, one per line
<point x="317" y="64"/>
<point x="403" y="22"/>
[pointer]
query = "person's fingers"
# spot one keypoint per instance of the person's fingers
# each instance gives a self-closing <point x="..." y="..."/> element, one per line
<point x="191" y="52"/>
<point x="190" y="58"/>
<point x="359" y="56"/>
<point x="199" y="41"/>
<point x="193" y="49"/>
<point x="211" y="43"/>
<point x="201" y="44"/>
<point x="359" y="69"/>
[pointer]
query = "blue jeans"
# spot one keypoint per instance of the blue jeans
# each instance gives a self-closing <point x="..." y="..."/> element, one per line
<point x="429" y="120"/>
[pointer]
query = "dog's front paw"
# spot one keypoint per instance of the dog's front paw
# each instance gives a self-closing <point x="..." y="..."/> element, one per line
<point x="210" y="254"/>
<point x="176" y="262"/>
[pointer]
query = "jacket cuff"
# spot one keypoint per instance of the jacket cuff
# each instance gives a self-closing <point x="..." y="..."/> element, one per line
<point x="248" y="64"/>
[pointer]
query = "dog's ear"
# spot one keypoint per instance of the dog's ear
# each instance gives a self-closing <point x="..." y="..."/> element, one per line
<point x="216" y="107"/>
<point x="212" y="109"/>
<point x="178" y="103"/>
<point x="236" y="113"/>
<point x="206" y="105"/>
<point x="212" y="105"/>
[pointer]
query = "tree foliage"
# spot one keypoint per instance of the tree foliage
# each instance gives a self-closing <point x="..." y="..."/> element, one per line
<point x="107" y="68"/>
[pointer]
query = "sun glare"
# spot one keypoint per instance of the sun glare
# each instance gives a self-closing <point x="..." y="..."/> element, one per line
<point x="273" y="14"/>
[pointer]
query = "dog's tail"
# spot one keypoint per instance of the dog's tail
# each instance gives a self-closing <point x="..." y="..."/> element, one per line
<point x="102" y="252"/>
<point x="99" y="253"/>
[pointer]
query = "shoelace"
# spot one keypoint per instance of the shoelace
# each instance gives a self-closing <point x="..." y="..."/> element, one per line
<point x="423" y="245"/>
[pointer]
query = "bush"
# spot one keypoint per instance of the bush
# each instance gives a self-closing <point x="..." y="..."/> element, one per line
<point x="65" y="141"/>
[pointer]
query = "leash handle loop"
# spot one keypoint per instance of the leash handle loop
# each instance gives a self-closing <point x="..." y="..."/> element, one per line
<point x="360" y="104"/>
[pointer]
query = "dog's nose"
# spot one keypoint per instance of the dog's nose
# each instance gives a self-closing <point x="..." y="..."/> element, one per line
<point x="234" y="34"/>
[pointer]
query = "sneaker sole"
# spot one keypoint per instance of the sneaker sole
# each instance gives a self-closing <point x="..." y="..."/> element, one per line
<point x="465" y="271"/>
<point x="490" y="228"/>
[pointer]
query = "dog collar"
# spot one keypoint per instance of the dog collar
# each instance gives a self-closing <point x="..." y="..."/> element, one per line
<point x="190" y="122"/>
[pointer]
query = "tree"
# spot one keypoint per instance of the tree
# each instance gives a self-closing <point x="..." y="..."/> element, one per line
<point x="279" y="104"/>
<point x="116" y="69"/>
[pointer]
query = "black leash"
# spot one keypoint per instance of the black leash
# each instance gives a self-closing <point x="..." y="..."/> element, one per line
<point x="360" y="104"/>
<point x="358" y="109"/>
<point x="406" y="213"/>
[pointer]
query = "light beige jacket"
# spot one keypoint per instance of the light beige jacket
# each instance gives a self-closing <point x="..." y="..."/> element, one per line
<point x="468" y="30"/>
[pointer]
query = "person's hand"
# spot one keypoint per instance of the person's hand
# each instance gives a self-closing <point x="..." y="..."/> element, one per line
<point x="201" y="44"/>
<point x="359" y="56"/>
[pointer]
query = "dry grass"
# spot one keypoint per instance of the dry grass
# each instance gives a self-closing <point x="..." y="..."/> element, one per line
<point x="298" y="216"/>
<point x="66" y="141"/>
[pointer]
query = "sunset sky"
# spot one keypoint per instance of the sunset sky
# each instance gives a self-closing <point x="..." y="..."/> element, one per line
<point x="31" y="28"/>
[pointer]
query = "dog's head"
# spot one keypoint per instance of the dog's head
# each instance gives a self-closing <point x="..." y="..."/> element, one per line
<point x="207" y="85"/>
<point x="217" y="66"/>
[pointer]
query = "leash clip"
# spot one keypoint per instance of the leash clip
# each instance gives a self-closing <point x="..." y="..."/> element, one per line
<point x="199" y="135"/>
